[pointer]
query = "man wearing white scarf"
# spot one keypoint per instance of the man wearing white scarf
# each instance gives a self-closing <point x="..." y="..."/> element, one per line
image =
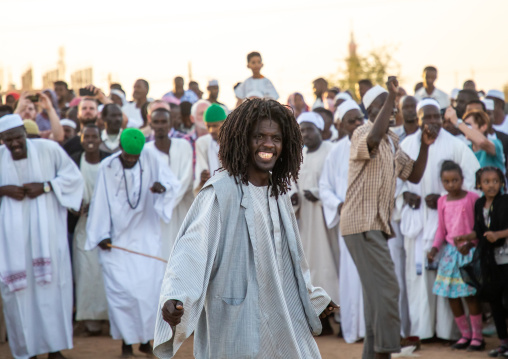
<point x="38" y="182"/>
<point x="429" y="314"/>
<point x="332" y="190"/>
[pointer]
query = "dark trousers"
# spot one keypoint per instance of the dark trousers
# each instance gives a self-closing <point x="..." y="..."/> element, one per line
<point x="496" y="302"/>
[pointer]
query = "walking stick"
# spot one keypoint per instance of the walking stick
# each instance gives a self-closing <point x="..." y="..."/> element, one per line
<point x="138" y="253"/>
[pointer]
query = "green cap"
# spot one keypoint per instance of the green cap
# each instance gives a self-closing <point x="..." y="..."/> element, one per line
<point x="214" y="113"/>
<point x="132" y="141"/>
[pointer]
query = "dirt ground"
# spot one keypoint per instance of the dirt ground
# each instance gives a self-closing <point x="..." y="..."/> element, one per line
<point x="331" y="347"/>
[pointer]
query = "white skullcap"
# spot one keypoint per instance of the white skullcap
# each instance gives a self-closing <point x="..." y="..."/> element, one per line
<point x="427" y="102"/>
<point x="342" y="96"/>
<point x="67" y="122"/>
<point x="489" y="104"/>
<point x="496" y="93"/>
<point x="254" y="93"/>
<point x="213" y="83"/>
<point x="8" y="122"/>
<point x="313" y="118"/>
<point x="344" y="108"/>
<point x="372" y="94"/>
<point x="454" y="93"/>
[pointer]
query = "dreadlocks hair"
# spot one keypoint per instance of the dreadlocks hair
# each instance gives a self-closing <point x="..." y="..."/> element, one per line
<point x="235" y="134"/>
<point x="482" y="170"/>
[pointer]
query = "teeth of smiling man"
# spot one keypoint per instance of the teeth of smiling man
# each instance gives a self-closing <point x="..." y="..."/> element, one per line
<point x="265" y="155"/>
<point x="90" y="145"/>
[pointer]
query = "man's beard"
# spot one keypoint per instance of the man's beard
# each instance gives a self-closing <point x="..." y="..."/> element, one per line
<point x="86" y="121"/>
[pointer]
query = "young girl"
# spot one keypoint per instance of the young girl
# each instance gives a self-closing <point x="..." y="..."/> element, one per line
<point x="491" y="228"/>
<point x="456" y="218"/>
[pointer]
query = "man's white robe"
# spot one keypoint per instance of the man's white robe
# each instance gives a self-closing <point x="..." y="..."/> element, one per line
<point x="132" y="281"/>
<point x="430" y="314"/>
<point x="316" y="238"/>
<point x="39" y="317"/>
<point x="332" y="190"/>
<point x="206" y="159"/>
<point x="180" y="163"/>
<point x="91" y="303"/>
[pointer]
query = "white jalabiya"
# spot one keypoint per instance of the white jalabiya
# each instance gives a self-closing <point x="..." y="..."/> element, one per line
<point x="332" y="190"/>
<point x="180" y="163"/>
<point x="429" y="313"/>
<point x="438" y="95"/>
<point x="251" y="85"/>
<point x="207" y="158"/>
<point x="316" y="238"/>
<point x="39" y="317"/>
<point x="133" y="114"/>
<point x="132" y="282"/>
<point x="91" y="303"/>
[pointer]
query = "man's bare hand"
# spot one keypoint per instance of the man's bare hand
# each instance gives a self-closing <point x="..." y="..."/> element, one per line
<point x="33" y="190"/>
<point x="309" y="196"/>
<point x="205" y="176"/>
<point x="431" y="200"/>
<point x="158" y="188"/>
<point x="294" y="199"/>
<point x="14" y="192"/>
<point x="329" y="309"/>
<point x="412" y="199"/>
<point x="429" y="134"/>
<point x="392" y="85"/>
<point x="172" y="312"/>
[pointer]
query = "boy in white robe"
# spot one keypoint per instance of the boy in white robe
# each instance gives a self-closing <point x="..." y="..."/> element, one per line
<point x="38" y="182"/>
<point x="332" y="190"/>
<point x="257" y="83"/>
<point x="133" y="191"/>
<point x="430" y="315"/>
<point x="316" y="238"/>
<point x="207" y="147"/>
<point x="176" y="153"/>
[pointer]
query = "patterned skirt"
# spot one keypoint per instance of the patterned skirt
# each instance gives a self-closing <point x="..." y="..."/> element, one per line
<point x="449" y="283"/>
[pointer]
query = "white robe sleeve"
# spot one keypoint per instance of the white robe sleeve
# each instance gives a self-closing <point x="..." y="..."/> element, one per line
<point x="164" y="202"/>
<point x="327" y="189"/>
<point x="188" y="272"/>
<point x="269" y="90"/>
<point x="98" y="225"/>
<point x="68" y="185"/>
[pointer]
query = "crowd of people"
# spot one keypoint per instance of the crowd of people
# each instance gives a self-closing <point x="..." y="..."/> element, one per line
<point x="391" y="206"/>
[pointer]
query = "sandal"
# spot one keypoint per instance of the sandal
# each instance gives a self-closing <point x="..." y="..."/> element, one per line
<point x="499" y="351"/>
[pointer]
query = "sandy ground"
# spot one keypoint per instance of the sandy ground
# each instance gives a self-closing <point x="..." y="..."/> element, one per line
<point x="331" y="347"/>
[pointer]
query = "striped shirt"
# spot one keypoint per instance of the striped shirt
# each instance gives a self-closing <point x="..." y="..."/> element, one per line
<point x="371" y="182"/>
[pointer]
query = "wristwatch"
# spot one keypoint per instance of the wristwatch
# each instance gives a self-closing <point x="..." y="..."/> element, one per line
<point x="459" y="121"/>
<point x="47" y="187"/>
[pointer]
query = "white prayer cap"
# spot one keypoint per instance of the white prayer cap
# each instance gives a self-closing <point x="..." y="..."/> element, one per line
<point x="254" y="93"/>
<point x="8" y="122"/>
<point x="195" y="105"/>
<point x="496" y="93"/>
<point x="313" y="118"/>
<point x="342" y="96"/>
<point x="67" y="122"/>
<point x="427" y="102"/>
<point x="344" y="108"/>
<point x="213" y="83"/>
<point x="372" y="94"/>
<point x="454" y="93"/>
<point x="489" y="104"/>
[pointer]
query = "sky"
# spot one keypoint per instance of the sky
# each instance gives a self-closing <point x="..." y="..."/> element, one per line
<point x="299" y="40"/>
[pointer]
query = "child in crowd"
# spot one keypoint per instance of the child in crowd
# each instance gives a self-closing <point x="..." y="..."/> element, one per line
<point x="256" y="85"/>
<point x="456" y="219"/>
<point x="491" y="228"/>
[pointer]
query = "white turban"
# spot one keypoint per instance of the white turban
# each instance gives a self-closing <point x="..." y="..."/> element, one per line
<point x="427" y="102"/>
<point x="313" y="118"/>
<point x="344" y="108"/>
<point x="8" y="122"/>
<point x="67" y="122"/>
<point x="213" y="83"/>
<point x="496" y="93"/>
<point x="372" y="94"/>
<point x="342" y="96"/>
<point x="489" y="104"/>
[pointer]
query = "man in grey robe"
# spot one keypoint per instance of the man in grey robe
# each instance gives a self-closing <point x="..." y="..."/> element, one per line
<point x="237" y="276"/>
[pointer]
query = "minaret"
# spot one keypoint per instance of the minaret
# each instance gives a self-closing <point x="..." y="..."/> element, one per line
<point x="352" y="45"/>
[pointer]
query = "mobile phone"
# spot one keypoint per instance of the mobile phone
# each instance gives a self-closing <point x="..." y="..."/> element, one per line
<point x="33" y="98"/>
<point x="85" y="92"/>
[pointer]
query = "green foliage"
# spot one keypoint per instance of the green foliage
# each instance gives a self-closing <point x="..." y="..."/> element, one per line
<point x="376" y="66"/>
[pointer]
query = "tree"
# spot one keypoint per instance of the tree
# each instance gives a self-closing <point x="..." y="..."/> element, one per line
<point x="375" y="66"/>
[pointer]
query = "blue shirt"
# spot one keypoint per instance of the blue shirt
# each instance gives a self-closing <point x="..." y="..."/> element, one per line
<point x="487" y="159"/>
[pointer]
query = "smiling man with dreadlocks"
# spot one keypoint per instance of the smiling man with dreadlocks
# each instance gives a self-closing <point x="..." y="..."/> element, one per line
<point x="237" y="276"/>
